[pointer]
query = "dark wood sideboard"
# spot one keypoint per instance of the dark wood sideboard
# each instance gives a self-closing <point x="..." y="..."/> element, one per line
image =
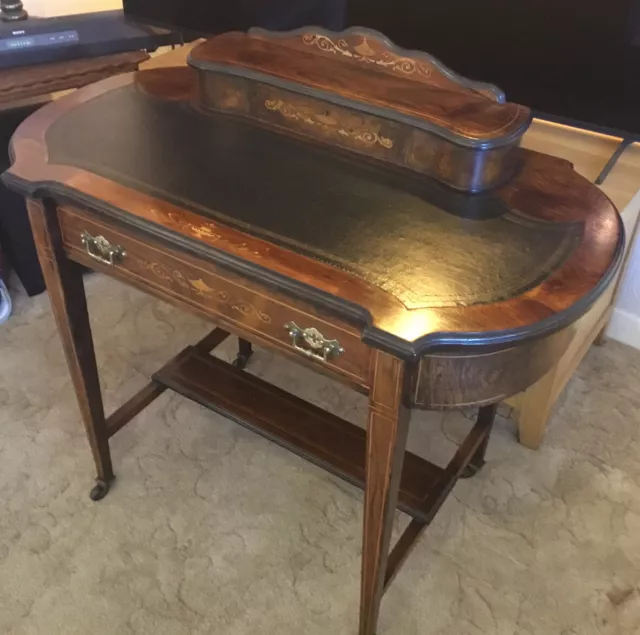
<point x="23" y="90"/>
<point x="357" y="208"/>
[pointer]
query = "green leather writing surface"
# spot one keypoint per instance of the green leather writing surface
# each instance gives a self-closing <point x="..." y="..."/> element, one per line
<point x="425" y="244"/>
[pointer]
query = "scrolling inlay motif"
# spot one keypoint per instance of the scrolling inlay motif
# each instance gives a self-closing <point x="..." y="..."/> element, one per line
<point x="363" y="52"/>
<point x="201" y="288"/>
<point x="326" y="123"/>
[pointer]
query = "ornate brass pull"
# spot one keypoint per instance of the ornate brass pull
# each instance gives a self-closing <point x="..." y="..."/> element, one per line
<point x="99" y="248"/>
<point x="319" y="347"/>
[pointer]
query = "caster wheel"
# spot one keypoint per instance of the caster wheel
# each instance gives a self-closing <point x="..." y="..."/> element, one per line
<point x="241" y="361"/>
<point x="471" y="470"/>
<point x="99" y="491"/>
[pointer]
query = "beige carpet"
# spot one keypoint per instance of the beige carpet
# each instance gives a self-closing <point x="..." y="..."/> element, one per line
<point x="211" y="529"/>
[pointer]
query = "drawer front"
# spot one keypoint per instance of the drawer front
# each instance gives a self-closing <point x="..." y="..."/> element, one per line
<point x="269" y="316"/>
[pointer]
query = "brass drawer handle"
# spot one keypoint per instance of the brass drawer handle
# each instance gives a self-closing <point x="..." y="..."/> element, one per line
<point x="99" y="248"/>
<point x="319" y="347"/>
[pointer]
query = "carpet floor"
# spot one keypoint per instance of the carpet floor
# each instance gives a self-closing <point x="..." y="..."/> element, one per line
<point x="212" y="529"/>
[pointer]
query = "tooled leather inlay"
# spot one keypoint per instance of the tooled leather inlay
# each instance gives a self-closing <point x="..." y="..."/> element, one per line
<point x="423" y="243"/>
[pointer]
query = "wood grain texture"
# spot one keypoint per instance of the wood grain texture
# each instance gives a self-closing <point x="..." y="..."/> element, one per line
<point x="354" y="90"/>
<point x="533" y="406"/>
<point x="32" y="81"/>
<point x="228" y="299"/>
<point x="367" y="48"/>
<point x="369" y="135"/>
<point x="546" y="189"/>
<point x="387" y="431"/>
<point x="444" y="380"/>
<point x="68" y="303"/>
<point x="470" y="453"/>
<point x="452" y="379"/>
<point x="482" y="119"/>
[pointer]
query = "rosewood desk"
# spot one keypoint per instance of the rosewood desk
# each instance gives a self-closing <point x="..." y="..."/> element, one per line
<point x="357" y="208"/>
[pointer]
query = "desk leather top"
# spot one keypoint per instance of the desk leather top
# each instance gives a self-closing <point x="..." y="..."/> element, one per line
<point x="418" y="263"/>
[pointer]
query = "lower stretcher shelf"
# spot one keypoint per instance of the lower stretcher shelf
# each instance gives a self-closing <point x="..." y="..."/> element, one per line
<point x="307" y="430"/>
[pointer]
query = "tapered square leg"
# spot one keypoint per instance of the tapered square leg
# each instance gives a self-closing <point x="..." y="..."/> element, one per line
<point x="387" y="430"/>
<point x="486" y="416"/>
<point x="69" y="305"/>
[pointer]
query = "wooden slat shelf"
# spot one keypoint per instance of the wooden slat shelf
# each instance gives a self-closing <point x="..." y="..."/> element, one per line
<point x="118" y="419"/>
<point x="314" y="434"/>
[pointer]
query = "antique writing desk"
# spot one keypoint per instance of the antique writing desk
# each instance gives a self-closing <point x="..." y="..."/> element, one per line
<point x="357" y="208"/>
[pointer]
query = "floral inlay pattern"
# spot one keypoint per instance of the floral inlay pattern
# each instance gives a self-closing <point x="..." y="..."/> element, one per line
<point x="363" y="52"/>
<point x="201" y="288"/>
<point x="327" y="123"/>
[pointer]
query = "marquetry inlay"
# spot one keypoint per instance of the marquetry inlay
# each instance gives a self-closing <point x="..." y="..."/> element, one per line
<point x="326" y="122"/>
<point x="363" y="52"/>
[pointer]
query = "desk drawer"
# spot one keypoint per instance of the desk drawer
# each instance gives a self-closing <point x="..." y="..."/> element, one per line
<point x="259" y="313"/>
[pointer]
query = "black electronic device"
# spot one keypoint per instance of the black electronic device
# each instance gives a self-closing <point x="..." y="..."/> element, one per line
<point x="574" y="61"/>
<point x="41" y="40"/>
<point x="209" y="17"/>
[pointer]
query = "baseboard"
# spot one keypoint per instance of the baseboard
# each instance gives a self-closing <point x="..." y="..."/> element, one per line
<point x="625" y="327"/>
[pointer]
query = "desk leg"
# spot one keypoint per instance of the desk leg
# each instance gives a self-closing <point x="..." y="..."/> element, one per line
<point x="69" y="305"/>
<point x="245" y="351"/>
<point x="387" y="430"/>
<point x="486" y="416"/>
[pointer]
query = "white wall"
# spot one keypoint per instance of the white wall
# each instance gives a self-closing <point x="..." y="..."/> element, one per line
<point x="48" y="8"/>
<point x="625" y="322"/>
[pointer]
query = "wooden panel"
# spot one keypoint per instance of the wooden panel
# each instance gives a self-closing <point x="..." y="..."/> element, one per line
<point x="359" y="132"/>
<point x="533" y="406"/>
<point x="260" y="312"/>
<point x="69" y="306"/>
<point x="368" y="48"/>
<point x="462" y="170"/>
<point x="588" y="152"/>
<point x="32" y="81"/>
<point x="328" y="87"/>
<point x="462" y="112"/>
<point x="387" y="432"/>
<point x="350" y="129"/>
<point x="311" y="432"/>
<point x="453" y="379"/>
<point x="387" y="376"/>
